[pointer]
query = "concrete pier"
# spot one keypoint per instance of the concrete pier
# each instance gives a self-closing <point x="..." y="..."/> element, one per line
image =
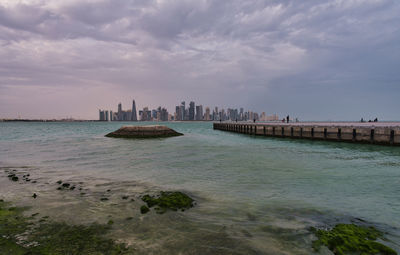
<point x="384" y="133"/>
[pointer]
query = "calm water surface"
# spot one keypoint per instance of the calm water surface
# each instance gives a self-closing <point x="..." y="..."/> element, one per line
<point x="255" y="195"/>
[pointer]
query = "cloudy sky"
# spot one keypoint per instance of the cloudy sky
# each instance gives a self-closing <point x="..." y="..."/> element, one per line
<point x="316" y="60"/>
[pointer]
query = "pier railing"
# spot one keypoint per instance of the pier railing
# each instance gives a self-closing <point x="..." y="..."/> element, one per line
<point x="382" y="134"/>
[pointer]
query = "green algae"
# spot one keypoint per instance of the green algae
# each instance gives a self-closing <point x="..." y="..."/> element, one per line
<point x="144" y="209"/>
<point x="20" y="236"/>
<point x="169" y="200"/>
<point x="351" y="239"/>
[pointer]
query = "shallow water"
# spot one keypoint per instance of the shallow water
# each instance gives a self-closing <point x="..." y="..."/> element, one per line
<point x="255" y="195"/>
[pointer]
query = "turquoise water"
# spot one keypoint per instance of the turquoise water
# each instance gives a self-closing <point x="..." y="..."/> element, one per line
<point x="264" y="192"/>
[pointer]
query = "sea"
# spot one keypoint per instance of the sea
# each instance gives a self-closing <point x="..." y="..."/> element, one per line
<point x="254" y="195"/>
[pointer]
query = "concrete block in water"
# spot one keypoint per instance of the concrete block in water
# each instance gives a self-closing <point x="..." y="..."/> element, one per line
<point x="154" y="131"/>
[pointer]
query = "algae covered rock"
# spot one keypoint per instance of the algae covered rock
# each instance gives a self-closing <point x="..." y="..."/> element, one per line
<point x="144" y="209"/>
<point x="154" y="131"/>
<point x="46" y="237"/>
<point x="169" y="200"/>
<point x="351" y="239"/>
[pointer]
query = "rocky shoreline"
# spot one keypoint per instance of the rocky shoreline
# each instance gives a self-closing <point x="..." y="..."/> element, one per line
<point x="25" y="230"/>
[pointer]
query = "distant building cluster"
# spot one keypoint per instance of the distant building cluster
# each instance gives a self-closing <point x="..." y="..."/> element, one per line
<point x="120" y="115"/>
<point x="194" y="112"/>
<point x="183" y="113"/>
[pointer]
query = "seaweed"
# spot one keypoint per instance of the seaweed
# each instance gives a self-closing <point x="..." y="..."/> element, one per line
<point x="169" y="200"/>
<point x="351" y="239"/>
<point x="144" y="209"/>
<point x="53" y="238"/>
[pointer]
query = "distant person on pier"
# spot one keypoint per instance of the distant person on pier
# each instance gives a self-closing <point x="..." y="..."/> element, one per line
<point x="362" y="120"/>
<point x="376" y="120"/>
<point x="287" y="119"/>
<point x="254" y="120"/>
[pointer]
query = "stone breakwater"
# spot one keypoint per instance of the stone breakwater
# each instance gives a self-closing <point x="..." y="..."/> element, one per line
<point x="153" y="131"/>
<point x="372" y="133"/>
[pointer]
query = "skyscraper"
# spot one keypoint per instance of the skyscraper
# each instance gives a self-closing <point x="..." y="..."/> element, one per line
<point x="183" y="111"/>
<point x="133" y="115"/>
<point x="178" y="113"/>
<point x="146" y="114"/>
<point x="120" y="114"/>
<point x="191" y="110"/>
<point x="207" y="115"/>
<point x="101" y="115"/>
<point x="199" y="112"/>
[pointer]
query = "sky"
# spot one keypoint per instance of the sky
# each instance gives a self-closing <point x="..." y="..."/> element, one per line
<point x="315" y="60"/>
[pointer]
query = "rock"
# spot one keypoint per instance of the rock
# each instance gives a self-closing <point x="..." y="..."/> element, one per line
<point x="65" y="185"/>
<point x="351" y="239"/>
<point x="169" y="200"/>
<point x="34" y="195"/>
<point x="14" y="178"/>
<point x="59" y="182"/>
<point x="125" y="197"/>
<point x="144" y="209"/>
<point x="103" y="199"/>
<point x="153" y="131"/>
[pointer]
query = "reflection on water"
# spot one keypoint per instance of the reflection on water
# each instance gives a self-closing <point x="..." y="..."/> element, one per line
<point x="255" y="195"/>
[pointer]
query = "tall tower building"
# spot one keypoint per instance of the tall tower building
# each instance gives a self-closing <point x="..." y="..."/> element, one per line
<point x="207" y="115"/>
<point x="178" y="113"/>
<point x="120" y="114"/>
<point x="191" y="110"/>
<point x="199" y="112"/>
<point x="183" y="111"/>
<point x="133" y="116"/>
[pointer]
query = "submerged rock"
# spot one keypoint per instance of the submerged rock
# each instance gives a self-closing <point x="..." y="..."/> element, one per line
<point x="153" y="131"/>
<point x="144" y="209"/>
<point x="13" y="177"/>
<point x="351" y="239"/>
<point x="47" y="237"/>
<point x="169" y="200"/>
<point x="65" y="185"/>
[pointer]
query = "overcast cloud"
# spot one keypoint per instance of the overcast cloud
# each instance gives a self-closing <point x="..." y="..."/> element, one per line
<point x="316" y="60"/>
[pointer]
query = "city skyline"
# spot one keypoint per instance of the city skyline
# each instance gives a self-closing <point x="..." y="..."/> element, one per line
<point x="318" y="60"/>
<point x="182" y="113"/>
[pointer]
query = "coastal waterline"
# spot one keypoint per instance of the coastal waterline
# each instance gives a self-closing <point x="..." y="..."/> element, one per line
<point x="264" y="192"/>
